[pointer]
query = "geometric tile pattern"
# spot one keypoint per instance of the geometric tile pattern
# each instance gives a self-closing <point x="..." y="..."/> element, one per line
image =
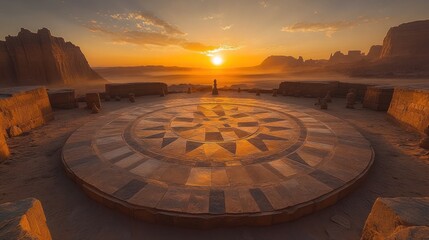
<point x="215" y="133"/>
<point x="217" y="161"/>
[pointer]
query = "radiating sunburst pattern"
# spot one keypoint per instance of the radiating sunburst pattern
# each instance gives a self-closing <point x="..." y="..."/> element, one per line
<point x="216" y="132"/>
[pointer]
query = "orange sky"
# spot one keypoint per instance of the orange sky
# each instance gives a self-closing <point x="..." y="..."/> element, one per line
<point x="189" y="32"/>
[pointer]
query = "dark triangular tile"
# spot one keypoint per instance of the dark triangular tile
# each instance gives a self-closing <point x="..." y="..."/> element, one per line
<point x="239" y="115"/>
<point x="218" y="108"/>
<point x="158" y="119"/>
<point x="155" y="128"/>
<point x="248" y="124"/>
<point x="167" y="141"/>
<point x="240" y="133"/>
<point x="158" y="135"/>
<point x="258" y="143"/>
<point x="230" y="146"/>
<point x="274" y="128"/>
<point x="269" y="137"/>
<point x="190" y="146"/>
<point x="219" y="112"/>
<point x="270" y="120"/>
<point x="183" y="119"/>
<point x="295" y="157"/>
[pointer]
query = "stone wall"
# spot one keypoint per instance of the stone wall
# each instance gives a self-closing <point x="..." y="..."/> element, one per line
<point x="139" y="89"/>
<point x="24" y="107"/>
<point x="411" y="107"/>
<point x="378" y="98"/>
<point x="344" y="87"/>
<point x="307" y="89"/>
<point x="320" y="88"/>
<point x="23" y="219"/>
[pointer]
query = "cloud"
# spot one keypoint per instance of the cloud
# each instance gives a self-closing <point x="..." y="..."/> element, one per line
<point x="264" y="4"/>
<point x="148" y="19"/>
<point x="148" y="30"/>
<point x="213" y="16"/>
<point x="328" y="28"/>
<point x="226" y="27"/>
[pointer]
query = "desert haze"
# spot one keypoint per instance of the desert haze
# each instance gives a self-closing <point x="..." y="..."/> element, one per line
<point x="214" y="119"/>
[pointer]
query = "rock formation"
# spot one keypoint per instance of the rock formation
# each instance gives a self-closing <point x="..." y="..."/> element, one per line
<point x="41" y="59"/>
<point x="407" y="40"/>
<point x="281" y="62"/>
<point x="374" y="52"/>
<point x="352" y="56"/>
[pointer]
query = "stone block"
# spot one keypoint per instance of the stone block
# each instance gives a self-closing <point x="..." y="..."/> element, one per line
<point x="394" y="217"/>
<point x="23" y="220"/>
<point x="378" y="98"/>
<point x="62" y="98"/>
<point x="139" y="89"/>
<point x="93" y="99"/>
<point x="24" y="107"/>
<point x="410" y="106"/>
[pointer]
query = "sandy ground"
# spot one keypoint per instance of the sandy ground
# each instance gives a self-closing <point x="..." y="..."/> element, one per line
<point x="35" y="170"/>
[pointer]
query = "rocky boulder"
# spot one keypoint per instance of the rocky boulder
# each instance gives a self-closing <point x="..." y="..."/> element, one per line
<point x="41" y="59"/>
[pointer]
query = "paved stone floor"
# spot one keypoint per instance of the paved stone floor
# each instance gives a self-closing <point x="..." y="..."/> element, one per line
<point x="207" y="162"/>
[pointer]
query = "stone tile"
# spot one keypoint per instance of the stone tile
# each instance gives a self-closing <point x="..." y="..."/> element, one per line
<point x="232" y="201"/>
<point x="260" y="175"/>
<point x="117" y="152"/>
<point x="217" y="201"/>
<point x="145" y="169"/>
<point x="261" y="200"/>
<point x="128" y="161"/>
<point x="238" y="176"/>
<point x="129" y="189"/>
<point x="281" y="167"/>
<point x="247" y="201"/>
<point x="175" y="199"/>
<point x="219" y="177"/>
<point x="199" y="177"/>
<point x="176" y="174"/>
<point x="149" y="195"/>
<point x="327" y="179"/>
<point x="199" y="201"/>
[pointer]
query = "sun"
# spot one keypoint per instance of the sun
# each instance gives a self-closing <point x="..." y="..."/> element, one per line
<point x="217" y="60"/>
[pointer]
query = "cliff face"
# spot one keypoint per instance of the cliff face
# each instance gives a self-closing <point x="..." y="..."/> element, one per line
<point x="41" y="59"/>
<point x="407" y="40"/>
<point x="374" y="52"/>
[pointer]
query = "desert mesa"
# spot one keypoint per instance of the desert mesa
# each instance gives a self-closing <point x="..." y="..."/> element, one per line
<point x="197" y="147"/>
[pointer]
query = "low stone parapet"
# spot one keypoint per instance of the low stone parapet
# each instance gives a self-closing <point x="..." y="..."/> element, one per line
<point x="410" y="106"/>
<point x="139" y="89"/>
<point x="307" y="89"/>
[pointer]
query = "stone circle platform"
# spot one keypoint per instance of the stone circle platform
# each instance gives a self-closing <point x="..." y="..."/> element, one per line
<point x="207" y="162"/>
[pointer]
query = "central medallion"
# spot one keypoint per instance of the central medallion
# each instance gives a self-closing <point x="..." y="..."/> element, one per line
<point x="215" y="124"/>
<point x="215" y="133"/>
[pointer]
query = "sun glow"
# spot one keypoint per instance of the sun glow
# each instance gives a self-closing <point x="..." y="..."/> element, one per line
<point x="217" y="60"/>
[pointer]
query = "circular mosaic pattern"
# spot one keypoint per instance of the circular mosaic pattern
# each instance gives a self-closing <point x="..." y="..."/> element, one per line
<point x="217" y="161"/>
<point x="215" y="133"/>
